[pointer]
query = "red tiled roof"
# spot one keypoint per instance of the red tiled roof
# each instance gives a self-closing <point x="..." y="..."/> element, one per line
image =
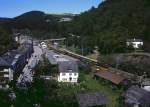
<point x="114" y="78"/>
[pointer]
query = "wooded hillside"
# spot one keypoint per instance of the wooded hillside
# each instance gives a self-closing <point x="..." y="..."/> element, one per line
<point x="114" y="21"/>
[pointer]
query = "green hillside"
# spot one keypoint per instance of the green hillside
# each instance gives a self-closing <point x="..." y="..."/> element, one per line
<point x="107" y="26"/>
<point x="35" y="20"/>
<point x="114" y="21"/>
<point x="39" y="23"/>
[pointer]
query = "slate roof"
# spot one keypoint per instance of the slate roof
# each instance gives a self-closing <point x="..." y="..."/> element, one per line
<point x="91" y="99"/>
<point x="24" y="48"/>
<point x="8" y="58"/>
<point x="136" y="95"/>
<point x="3" y="62"/>
<point x="114" y="78"/>
<point x="50" y="57"/>
<point x="68" y="66"/>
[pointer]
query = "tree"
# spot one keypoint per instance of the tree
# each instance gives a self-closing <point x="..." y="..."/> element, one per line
<point x="6" y="40"/>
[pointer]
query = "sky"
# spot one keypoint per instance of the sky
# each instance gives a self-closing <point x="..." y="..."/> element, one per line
<point x="13" y="8"/>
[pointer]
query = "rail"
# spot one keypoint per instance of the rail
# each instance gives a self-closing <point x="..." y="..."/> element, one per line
<point x="80" y="57"/>
<point x="100" y="66"/>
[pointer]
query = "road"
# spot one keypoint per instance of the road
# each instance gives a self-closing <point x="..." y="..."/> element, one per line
<point x="27" y="75"/>
<point x="138" y="53"/>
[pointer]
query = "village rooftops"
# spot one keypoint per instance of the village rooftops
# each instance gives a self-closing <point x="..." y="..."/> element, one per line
<point x="10" y="57"/>
<point x="136" y="95"/>
<point x="113" y="77"/>
<point x="54" y="58"/>
<point x="7" y="58"/>
<point x="25" y="39"/>
<point x="3" y="63"/>
<point x="50" y="57"/>
<point x="68" y="66"/>
<point x="92" y="99"/>
<point x="24" y="48"/>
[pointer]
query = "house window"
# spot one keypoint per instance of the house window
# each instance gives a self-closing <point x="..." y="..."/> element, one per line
<point x="64" y="79"/>
<point x="75" y="74"/>
<point x="5" y="70"/>
<point x="74" y="79"/>
<point x="63" y="74"/>
<point x="70" y="74"/>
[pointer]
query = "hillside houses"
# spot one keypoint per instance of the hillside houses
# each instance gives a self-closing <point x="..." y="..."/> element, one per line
<point x="68" y="71"/>
<point x="67" y="67"/>
<point x="12" y="63"/>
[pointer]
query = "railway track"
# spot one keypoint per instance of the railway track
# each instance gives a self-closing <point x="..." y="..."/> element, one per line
<point x="77" y="56"/>
<point x="96" y="66"/>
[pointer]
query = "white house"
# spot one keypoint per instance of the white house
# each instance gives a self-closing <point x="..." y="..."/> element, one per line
<point x="67" y="67"/>
<point x="6" y="74"/>
<point x="136" y="43"/>
<point x="65" y="19"/>
<point x="68" y="71"/>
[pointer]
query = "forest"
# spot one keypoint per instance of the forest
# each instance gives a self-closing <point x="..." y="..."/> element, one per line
<point x="113" y="22"/>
